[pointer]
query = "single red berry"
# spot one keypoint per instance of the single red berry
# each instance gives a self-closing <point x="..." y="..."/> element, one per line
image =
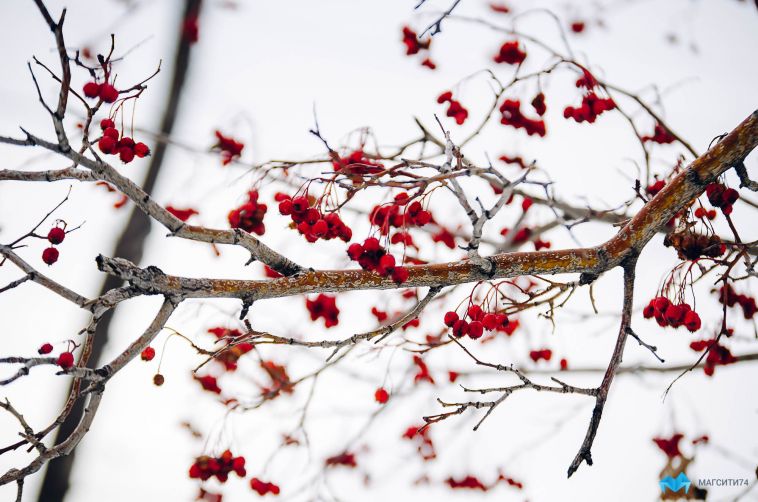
<point x="108" y="93"/>
<point x="50" y="255"/>
<point x="126" y="154"/>
<point x="460" y="328"/>
<point x="285" y="207"/>
<point x="475" y="313"/>
<point x="106" y="144"/>
<point x="148" y="354"/>
<point x="46" y="348"/>
<point x="158" y="379"/>
<point x="692" y="321"/>
<point x="400" y="275"/>
<point x="475" y="329"/>
<point x="106" y="123"/>
<point x="320" y="228"/>
<point x="66" y="360"/>
<point x="111" y="132"/>
<point x="91" y="89"/>
<point x="489" y="321"/>
<point x="141" y="150"/>
<point x="381" y="395"/>
<point x="56" y="235"/>
<point x="450" y="319"/>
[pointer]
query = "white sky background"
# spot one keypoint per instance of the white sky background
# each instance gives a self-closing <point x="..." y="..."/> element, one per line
<point x="256" y="72"/>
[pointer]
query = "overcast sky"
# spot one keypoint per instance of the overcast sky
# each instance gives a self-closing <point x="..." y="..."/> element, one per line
<point x="260" y="68"/>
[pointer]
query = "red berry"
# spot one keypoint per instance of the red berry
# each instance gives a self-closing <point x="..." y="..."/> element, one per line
<point x="111" y="132"/>
<point x="66" y="360"/>
<point x="460" y="328"/>
<point x="450" y="319"/>
<point x="489" y="321"/>
<point x="91" y="89"/>
<point x="386" y="264"/>
<point x="475" y="329"/>
<point x="148" y="354"/>
<point x="320" y="228"/>
<point x="56" y="235"/>
<point x="106" y="144"/>
<point x="692" y="321"/>
<point x="141" y="150"/>
<point x="126" y="154"/>
<point x="46" y="348"/>
<point x="286" y="207"/>
<point x="50" y="255"/>
<point x="400" y="275"/>
<point x="108" y="93"/>
<point x="381" y="395"/>
<point x="475" y="313"/>
<point x="106" y="123"/>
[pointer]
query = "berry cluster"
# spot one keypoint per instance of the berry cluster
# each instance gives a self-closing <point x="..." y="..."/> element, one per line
<point x="105" y="91"/>
<point x="356" y="165"/>
<point x="510" y="53"/>
<point x="512" y="116"/>
<point x="55" y="236"/>
<point x="249" y="216"/>
<point x="536" y="355"/>
<point x="722" y="197"/>
<point x="478" y="322"/>
<point x="731" y="298"/>
<point x="263" y="487"/>
<point x="124" y="147"/>
<point x="691" y="246"/>
<point x="205" y="467"/>
<point x="412" y="44"/>
<point x="667" y="313"/>
<point x="310" y="221"/>
<point x="592" y="106"/>
<point x="702" y="213"/>
<point x="717" y="355"/>
<point x="454" y="109"/>
<point x="324" y="306"/>
<point x="660" y="135"/>
<point x="371" y="256"/>
<point x="230" y="148"/>
<point x="392" y="215"/>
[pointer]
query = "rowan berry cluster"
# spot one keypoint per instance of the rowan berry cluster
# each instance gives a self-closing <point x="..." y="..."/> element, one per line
<point x="55" y="236"/>
<point x="512" y="116"/>
<point x="263" y="487"/>
<point x="324" y="306"/>
<point x="105" y="91"/>
<point x="510" y="53"/>
<point x="728" y="296"/>
<point x="592" y="106"/>
<point x="454" y="108"/>
<point x="249" y="216"/>
<point x="477" y="323"/>
<point x="667" y="313"/>
<point x="718" y="355"/>
<point x="399" y="214"/>
<point x="112" y="143"/>
<point x="206" y="467"/>
<point x="660" y="135"/>
<point x="308" y="219"/>
<point x="356" y="165"/>
<point x="691" y="246"/>
<point x="542" y="354"/>
<point x="722" y="197"/>
<point x="372" y="256"/>
<point x="230" y="148"/>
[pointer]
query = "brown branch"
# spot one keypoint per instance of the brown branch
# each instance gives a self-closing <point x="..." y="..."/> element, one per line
<point x="584" y="454"/>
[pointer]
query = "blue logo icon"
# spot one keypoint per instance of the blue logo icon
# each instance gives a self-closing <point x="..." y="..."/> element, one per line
<point x="675" y="484"/>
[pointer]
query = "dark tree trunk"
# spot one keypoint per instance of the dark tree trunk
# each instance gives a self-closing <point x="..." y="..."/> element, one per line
<point x="130" y="245"/>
